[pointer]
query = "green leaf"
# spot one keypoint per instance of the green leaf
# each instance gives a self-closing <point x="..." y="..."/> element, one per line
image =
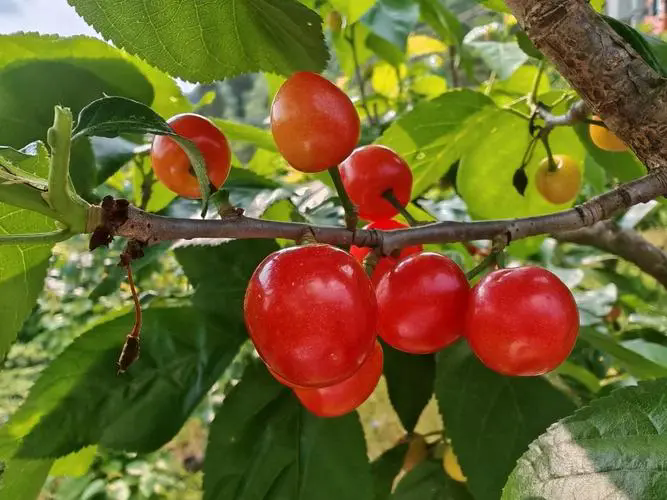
<point x="263" y="444"/>
<point x="428" y="481"/>
<point x="23" y="479"/>
<point x="527" y="46"/>
<point x="393" y="20"/>
<point x="206" y="41"/>
<point x="409" y="383"/>
<point x="504" y="58"/>
<point x="22" y="267"/>
<point x="75" y="464"/>
<point x="491" y="164"/>
<point x="436" y="133"/>
<point x="385" y="468"/>
<point x="634" y="363"/>
<point x="443" y="22"/>
<point x="79" y="399"/>
<point x="237" y="131"/>
<point x="614" y="448"/>
<point x="111" y="116"/>
<point x="623" y="166"/>
<point x="220" y="275"/>
<point x="637" y="41"/>
<point x="491" y="418"/>
<point x="352" y="9"/>
<point x="96" y="55"/>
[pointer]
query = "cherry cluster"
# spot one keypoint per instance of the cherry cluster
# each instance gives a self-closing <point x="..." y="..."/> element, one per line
<point x="313" y="312"/>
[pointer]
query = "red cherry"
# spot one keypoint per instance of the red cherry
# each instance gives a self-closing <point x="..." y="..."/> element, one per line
<point x="385" y="264"/>
<point x="368" y="173"/>
<point x="311" y="313"/>
<point x="313" y="122"/>
<point x="172" y="166"/>
<point x="522" y="321"/>
<point x="345" y="396"/>
<point x="422" y="303"/>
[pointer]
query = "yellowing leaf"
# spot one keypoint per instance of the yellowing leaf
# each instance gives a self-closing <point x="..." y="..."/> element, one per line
<point x="385" y="79"/>
<point x="419" y="45"/>
<point x="429" y="85"/>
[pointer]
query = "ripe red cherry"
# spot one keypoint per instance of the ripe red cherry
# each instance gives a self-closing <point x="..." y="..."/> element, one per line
<point x="522" y="321"/>
<point x="313" y="122"/>
<point x="385" y="264"/>
<point x="369" y="172"/>
<point x="172" y="166"/>
<point x="422" y="303"/>
<point x="311" y="313"/>
<point x="345" y="396"/>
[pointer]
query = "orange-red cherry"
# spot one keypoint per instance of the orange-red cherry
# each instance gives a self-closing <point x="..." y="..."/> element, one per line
<point x="345" y="396"/>
<point x="314" y="124"/>
<point x="422" y="303"/>
<point x="384" y="264"/>
<point x="312" y="314"/>
<point x="368" y="173"/>
<point x="172" y="166"/>
<point x="522" y="321"/>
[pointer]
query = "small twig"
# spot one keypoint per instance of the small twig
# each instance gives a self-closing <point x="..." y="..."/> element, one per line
<point x="130" y="352"/>
<point x="532" y="98"/>
<point x="490" y="83"/>
<point x="146" y="186"/>
<point x="351" y="215"/>
<point x="391" y="198"/>
<point x="453" y="66"/>
<point x="357" y="72"/>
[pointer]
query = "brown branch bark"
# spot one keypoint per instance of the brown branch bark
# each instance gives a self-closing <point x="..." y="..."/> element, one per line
<point x="626" y="243"/>
<point x="604" y="69"/>
<point x="152" y="228"/>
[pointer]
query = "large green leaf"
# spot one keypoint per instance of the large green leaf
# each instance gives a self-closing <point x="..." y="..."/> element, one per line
<point x="23" y="479"/>
<point x="436" y="133"/>
<point x="485" y="176"/>
<point x="409" y="383"/>
<point x="22" y="267"/>
<point x="393" y="20"/>
<point x="79" y="399"/>
<point x="427" y="481"/>
<point x="206" y="41"/>
<point x="263" y="444"/>
<point x="503" y="58"/>
<point x="492" y="418"/>
<point x="88" y="53"/>
<point x="614" y="448"/>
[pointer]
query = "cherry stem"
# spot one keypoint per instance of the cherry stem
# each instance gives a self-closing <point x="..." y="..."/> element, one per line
<point x="351" y="216"/>
<point x="391" y="198"/>
<point x="552" y="164"/>
<point x="136" y="329"/>
<point x="488" y="261"/>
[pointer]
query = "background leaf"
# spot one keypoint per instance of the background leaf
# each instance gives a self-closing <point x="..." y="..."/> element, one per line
<point x="263" y="444"/>
<point x="409" y="382"/>
<point x="491" y="418"/>
<point x="429" y="481"/>
<point x="614" y="448"/>
<point x="213" y="40"/>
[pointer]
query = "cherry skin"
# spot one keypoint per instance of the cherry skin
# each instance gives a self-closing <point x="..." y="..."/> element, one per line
<point x="311" y="313"/>
<point x="422" y="303"/>
<point x="605" y="139"/>
<point x="313" y="122"/>
<point x="345" y="396"/>
<point x="385" y="264"/>
<point x="369" y="172"/>
<point x="560" y="185"/>
<point x="172" y="166"/>
<point x="522" y="321"/>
